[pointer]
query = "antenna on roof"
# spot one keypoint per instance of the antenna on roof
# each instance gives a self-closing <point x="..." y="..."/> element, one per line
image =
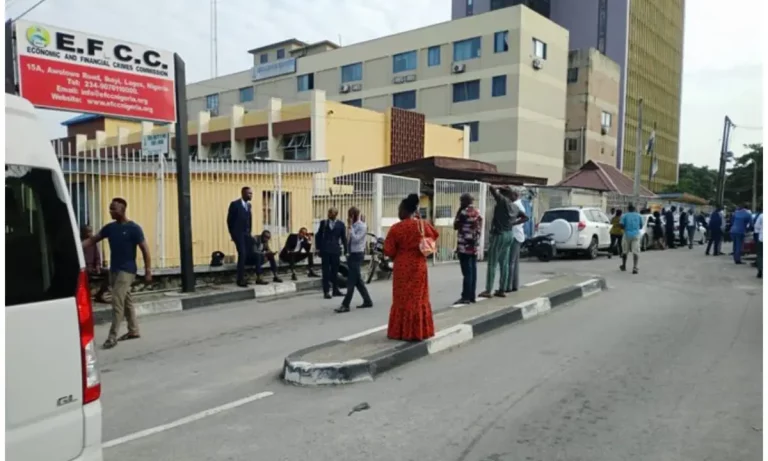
<point x="339" y="39"/>
<point x="214" y="38"/>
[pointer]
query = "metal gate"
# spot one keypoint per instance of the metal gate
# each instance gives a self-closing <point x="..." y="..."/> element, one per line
<point x="445" y="205"/>
<point x="389" y="191"/>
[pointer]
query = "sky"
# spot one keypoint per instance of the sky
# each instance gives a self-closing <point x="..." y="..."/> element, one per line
<point x="722" y="59"/>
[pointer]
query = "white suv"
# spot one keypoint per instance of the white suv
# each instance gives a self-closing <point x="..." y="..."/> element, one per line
<point x="52" y="387"/>
<point x="576" y="229"/>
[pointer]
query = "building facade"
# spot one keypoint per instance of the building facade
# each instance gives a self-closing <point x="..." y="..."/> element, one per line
<point x="592" y="125"/>
<point x="502" y="75"/>
<point x="646" y="39"/>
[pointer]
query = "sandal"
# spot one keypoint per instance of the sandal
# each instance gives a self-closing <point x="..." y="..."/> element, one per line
<point x="128" y="336"/>
<point x="109" y="343"/>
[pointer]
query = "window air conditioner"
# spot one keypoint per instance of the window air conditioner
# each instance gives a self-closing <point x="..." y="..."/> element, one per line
<point x="344" y="88"/>
<point x="537" y="64"/>
<point x="458" y="68"/>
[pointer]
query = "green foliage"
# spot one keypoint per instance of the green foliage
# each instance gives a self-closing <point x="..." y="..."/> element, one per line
<point x="740" y="177"/>
<point x="700" y="181"/>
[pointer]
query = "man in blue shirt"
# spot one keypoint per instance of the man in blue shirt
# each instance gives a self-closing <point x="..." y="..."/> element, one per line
<point x="632" y="223"/>
<point x="123" y="237"/>
<point x="742" y="221"/>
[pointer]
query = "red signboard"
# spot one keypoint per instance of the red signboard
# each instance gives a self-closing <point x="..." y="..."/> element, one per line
<point x="66" y="70"/>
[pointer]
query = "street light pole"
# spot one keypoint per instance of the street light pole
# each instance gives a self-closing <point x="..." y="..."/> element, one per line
<point x="638" y="151"/>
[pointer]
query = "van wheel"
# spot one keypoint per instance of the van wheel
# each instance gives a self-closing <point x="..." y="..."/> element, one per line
<point x="592" y="250"/>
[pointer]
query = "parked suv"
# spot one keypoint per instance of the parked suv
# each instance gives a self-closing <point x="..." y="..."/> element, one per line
<point x="578" y="230"/>
<point x="52" y="386"/>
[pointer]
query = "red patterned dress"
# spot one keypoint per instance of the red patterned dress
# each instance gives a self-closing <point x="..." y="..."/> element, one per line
<point x="410" y="318"/>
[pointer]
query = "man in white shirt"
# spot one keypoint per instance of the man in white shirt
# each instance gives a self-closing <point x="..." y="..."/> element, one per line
<point x="518" y="234"/>
<point x="758" y="235"/>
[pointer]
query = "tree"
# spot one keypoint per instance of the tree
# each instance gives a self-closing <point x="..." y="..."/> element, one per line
<point x="740" y="177"/>
<point x="695" y="180"/>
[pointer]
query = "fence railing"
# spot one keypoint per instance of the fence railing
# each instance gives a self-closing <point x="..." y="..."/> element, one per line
<point x="287" y="196"/>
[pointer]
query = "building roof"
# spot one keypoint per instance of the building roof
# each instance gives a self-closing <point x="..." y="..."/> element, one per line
<point x="603" y="177"/>
<point x="290" y="41"/>
<point x="684" y="197"/>
<point x="82" y="118"/>
<point x="429" y="168"/>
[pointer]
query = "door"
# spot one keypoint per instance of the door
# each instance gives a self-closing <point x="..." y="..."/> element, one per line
<point x="605" y="235"/>
<point x="43" y="368"/>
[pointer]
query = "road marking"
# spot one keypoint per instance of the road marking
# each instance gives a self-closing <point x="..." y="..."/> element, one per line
<point x="536" y="282"/>
<point x="362" y="333"/>
<point x="185" y="420"/>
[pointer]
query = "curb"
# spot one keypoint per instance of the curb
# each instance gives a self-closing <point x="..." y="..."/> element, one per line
<point x="181" y="303"/>
<point x="299" y="372"/>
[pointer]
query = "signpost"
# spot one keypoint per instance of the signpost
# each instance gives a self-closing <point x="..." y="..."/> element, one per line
<point x="67" y="70"/>
<point x="61" y="69"/>
<point x="154" y="145"/>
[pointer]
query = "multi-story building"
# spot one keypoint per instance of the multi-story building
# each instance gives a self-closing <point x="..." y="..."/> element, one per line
<point x="501" y="74"/>
<point x="646" y="39"/>
<point x="591" y="127"/>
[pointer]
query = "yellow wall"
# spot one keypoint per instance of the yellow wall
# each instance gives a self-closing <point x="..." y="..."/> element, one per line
<point x="112" y="125"/>
<point x="259" y="117"/>
<point x="219" y="123"/>
<point x="443" y="141"/>
<point x="296" y="111"/>
<point x="355" y="139"/>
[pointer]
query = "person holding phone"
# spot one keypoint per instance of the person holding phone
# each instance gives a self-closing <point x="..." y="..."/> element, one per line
<point x="468" y="224"/>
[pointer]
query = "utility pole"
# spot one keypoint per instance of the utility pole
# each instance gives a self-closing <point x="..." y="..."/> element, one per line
<point x="638" y="151"/>
<point x="720" y="192"/>
<point x="754" y="185"/>
<point x="214" y="38"/>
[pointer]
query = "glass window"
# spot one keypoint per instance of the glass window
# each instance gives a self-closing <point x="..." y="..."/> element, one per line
<point x="246" y="94"/>
<point x="466" y="49"/>
<point x="605" y="119"/>
<point x="500" y="42"/>
<point x="499" y="86"/>
<point x="539" y="49"/>
<point x="264" y="58"/>
<point x="466" y="91"/>
<point x="212" y="101"/>
<point x="404" y="62"/>
<point x="571" y="144"/>
<point x="281" y="53"/>
<point x="567" y="215"/>
<point x="573" y="74"/>
<point x="404" y="100"/>
<point x="305" y="82"/>
<point x="352" y="72"/>
<point x="470" y="7"/>
<point x="39" y="236"/>
<point x="433" y="56"/>
<point x="474" y="130"/>
<point x="353" y="102"/>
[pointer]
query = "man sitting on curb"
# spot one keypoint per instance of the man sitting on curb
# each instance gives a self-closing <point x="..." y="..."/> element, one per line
<point x="298" y="247"/>
<point x="262" y="252"/>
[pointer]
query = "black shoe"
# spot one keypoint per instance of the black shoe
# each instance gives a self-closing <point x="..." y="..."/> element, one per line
<point x="634" y="271"/>
<point x="462" y="301"/>
<point x="365" y="306"/>
<point x="760" y="274"/>
<point x="293" y="277"/>
<point x="312" y="274"/>
<point x="341" y="309"/>
<point x="338" y="294"/>
<point x="242" y="284"/>
<point x="277" y="279"/>
<point x="327" y="296"/>
<point x="500" y="294"/>
<point x="623" y="268"/>
<point x="260" y="281"/>
<point x="706" y="254"/>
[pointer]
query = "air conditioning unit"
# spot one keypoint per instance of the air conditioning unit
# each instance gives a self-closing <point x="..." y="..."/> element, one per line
<point x="458" y="68"/>
<point x="356" y="87"/>
<point x="397" y="80"/>
<point x="537" y="64"/>
<point x="344" y="88"/>
<point x="604" y="130"/>
<point x="410" y="78"/>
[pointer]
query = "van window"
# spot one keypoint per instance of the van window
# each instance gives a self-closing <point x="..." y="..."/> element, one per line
<point x="41" y="259"/>
<point x="568" y="215"/>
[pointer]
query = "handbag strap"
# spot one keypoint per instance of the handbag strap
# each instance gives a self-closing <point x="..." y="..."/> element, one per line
<point x="421" y="227"/>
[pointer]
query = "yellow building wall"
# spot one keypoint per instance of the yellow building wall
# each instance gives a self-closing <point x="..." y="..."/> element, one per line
<point x="295" y="111"/>
<point x="443" y="141"/>
<point x="255" y="118"/>
<point x="355" y="139"/>
<point x="654" y="73"/>
<point x="219" y="123"/>
<point x="111" y="126"/>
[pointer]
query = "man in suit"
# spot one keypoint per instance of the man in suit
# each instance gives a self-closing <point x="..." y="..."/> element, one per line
<point x="331" y="239"/>
<point x="683" y="226"/>
<point x="669" y="226"/>
<point x="715" y="231"/>
<point x="239" y="224"/>
<point x="297" y="248"/>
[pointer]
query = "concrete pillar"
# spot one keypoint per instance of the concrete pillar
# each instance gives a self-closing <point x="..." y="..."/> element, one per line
<point x="101" y="138"/>
<point x="203" y="119"/>
<point x="238" y="147"/>
<point x="318" y="118"/>
<point x="467" y="134"/>
<point x="81" y="143"/>
<point x="273" y="115"/>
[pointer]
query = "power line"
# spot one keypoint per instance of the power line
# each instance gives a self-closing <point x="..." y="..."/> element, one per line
<point x="40" y="2"/>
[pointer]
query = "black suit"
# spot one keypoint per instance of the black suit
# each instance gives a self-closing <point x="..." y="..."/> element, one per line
<point x="331" y="241"/>
<point x="239" y="224"/>
<point x="291" y="255"/>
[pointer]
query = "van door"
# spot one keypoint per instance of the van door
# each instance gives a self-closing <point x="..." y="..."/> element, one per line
<point x="43" y="362"/>
<point x="606" y="233"/>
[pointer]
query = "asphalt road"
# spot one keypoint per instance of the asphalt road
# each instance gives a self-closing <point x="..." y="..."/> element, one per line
<point x="666" y="365"/>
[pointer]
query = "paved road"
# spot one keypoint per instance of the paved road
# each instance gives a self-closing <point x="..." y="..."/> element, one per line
<point x="667" y="365"/>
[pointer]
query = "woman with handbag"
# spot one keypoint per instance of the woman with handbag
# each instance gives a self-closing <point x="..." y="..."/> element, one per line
<point x="408" y="243"/>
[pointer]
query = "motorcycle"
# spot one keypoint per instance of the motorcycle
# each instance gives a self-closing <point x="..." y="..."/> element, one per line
<point x="378" y="260"/>
<point x="541" y="246"/>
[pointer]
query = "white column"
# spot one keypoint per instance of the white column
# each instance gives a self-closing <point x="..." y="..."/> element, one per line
<point x="318" y="122"/>
<point x="467" y="134"/>
<point x="203" y="119"/>
<point x="273" y="116"/>
<point x="378" y="204"/>
<point x="238" y="147"/>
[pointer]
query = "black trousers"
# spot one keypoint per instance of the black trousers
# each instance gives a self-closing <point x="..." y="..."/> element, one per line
<point x="330" y="268"/>
<point x="241" y="244"/>
<point x="715" y="237"/>
<point x="670" y="238"/>
<point x="616" y="244"/>
<point x="292" y="258"/>
<point x="355" y="280"/>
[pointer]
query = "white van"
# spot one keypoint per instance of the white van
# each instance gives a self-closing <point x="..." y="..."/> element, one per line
<point x="52" y="384"/>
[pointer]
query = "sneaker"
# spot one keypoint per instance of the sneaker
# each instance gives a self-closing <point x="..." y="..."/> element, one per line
<point x="485" y="294"/>
<point x="500" y="294"/>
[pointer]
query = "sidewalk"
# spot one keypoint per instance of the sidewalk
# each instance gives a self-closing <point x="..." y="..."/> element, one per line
<point x="361" y="356"/>
<point x="176" y="301"/>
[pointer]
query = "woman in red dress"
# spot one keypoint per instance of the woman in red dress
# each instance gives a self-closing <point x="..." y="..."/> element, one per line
<point x="410" y="318"/>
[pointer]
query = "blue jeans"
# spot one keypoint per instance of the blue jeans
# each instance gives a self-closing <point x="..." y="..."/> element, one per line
<point x="469" y="271"/>
<point x="738" y="244"/>
<point x="259" y="262"/>
<point x="355" y="280"/>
